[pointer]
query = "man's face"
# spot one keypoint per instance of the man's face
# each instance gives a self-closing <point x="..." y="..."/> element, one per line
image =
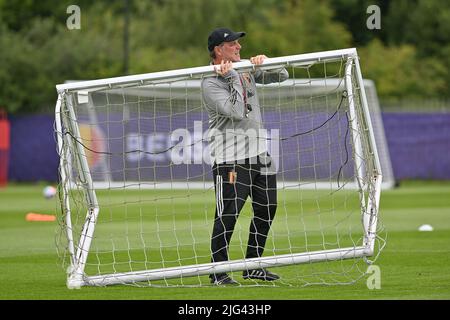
<point x="229" y="51"/>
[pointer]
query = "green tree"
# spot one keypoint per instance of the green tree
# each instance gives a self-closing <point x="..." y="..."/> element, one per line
<point x="18" y="15"/>
<point x="353" y="14"/>
<point x="399" y="73"/>
<point x="46" y="53"/>
<point x="162" y="29"/>
<point x="424" y="24"/>
<point x="17" y="91"/>
<point x="297" y="27"/>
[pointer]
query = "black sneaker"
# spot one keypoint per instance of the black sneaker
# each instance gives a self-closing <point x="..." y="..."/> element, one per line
<point x="222" y="279"/>
<point x="260" y="274"/>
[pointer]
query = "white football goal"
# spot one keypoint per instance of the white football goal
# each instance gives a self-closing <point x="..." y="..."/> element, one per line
<point x="136" y="186"/>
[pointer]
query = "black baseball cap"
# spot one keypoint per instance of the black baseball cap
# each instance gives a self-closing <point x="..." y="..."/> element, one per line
<point x="220" y="35"/>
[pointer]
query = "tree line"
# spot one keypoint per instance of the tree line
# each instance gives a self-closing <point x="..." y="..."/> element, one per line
<point x="407" y="57"/>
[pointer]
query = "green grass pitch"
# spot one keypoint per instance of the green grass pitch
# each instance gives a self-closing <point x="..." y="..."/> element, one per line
<point x="413" y="265"/>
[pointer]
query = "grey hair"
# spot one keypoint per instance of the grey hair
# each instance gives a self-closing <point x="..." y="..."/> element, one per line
<point x="212" y="53"/>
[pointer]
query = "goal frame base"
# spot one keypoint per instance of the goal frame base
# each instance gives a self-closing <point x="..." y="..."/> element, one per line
<point x="77" y="280"/>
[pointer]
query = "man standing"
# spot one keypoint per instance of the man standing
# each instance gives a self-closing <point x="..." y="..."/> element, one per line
<point x="239" y="151"/>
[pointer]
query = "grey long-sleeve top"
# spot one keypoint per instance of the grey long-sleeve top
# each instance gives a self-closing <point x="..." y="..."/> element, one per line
<point x="236" y="130"/>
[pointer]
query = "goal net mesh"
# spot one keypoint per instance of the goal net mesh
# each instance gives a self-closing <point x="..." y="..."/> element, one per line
<point x="145" y="148"/>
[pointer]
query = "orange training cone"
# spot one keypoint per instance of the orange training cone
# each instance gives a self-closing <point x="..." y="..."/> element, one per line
<point x="31" y="216"/>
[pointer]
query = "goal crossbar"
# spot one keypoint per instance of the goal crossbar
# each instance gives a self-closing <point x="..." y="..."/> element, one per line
<point x="206" y="70"/>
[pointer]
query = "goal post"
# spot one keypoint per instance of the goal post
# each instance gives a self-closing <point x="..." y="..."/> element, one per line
<point x="136" y="190"/>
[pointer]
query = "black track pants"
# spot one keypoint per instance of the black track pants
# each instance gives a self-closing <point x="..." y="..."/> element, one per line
<point x="234" y="183"/>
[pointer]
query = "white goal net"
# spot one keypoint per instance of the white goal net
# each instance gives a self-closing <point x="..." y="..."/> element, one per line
<point x="137" y="192"/>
